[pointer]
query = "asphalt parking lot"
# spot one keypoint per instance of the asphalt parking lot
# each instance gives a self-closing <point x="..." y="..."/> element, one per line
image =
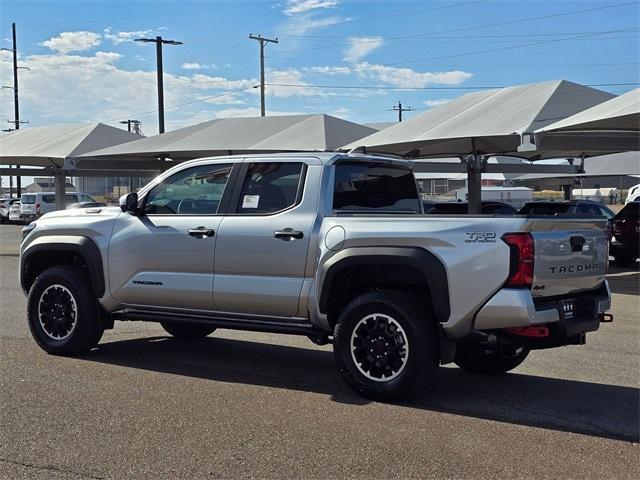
<point x="251" y="405"/>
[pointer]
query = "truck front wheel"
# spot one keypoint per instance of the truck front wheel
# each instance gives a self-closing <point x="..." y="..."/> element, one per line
<point x="63" y="311"/>
<point x="386" y="345"/>
<point x="487" y="362"/>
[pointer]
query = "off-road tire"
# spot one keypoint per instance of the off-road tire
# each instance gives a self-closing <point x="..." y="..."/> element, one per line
<point x="187" y="330"/>
<point x="73" y="282"/>
<point x="418" y="326"/>
<point x="474" y="360"/>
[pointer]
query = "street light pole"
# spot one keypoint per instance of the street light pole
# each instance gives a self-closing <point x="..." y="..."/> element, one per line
<point x="159" y="41"/>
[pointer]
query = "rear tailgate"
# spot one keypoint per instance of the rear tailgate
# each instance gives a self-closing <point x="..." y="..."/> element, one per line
<point x="571" y="255"/>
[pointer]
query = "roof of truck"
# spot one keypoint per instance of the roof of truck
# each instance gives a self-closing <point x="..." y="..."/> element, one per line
<point x="326" y="158"/>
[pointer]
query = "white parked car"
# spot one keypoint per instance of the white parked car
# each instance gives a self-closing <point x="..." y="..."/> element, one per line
<point x="633" y="194"/>
<point x="5" y="204"/>
<point x="14" y="212"/>
<point x="34" y="205"/>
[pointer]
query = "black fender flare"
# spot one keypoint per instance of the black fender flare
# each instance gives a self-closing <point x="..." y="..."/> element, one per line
<point x="83" y="246"/>
<point x="430" y="267"/>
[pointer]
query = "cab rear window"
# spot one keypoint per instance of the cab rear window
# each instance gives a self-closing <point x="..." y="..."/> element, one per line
<point x="380" y="187"/>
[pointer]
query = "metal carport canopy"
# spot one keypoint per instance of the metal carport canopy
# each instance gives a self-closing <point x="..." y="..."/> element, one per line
<point x="243" y="135"/>
<point x="57" y="148"/>
<point x="612" y="126"/>
<point x="480" y="124"/>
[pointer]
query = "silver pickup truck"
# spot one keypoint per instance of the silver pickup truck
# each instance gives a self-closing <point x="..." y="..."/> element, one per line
<point x="332" y="246"/>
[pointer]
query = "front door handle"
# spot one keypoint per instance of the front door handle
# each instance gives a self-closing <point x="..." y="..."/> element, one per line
<point x="288" y="234"/>
<point x="201" y="232"/>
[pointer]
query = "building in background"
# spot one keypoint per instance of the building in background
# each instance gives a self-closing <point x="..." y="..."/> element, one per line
<point x="47" y="184"/>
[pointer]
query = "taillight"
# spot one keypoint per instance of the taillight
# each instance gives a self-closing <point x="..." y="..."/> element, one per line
<point x="521" y="266"/>
<point x="38" y="207"/>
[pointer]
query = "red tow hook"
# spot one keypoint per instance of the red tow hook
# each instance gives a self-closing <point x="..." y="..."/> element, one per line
<point x="606" y="317"/>
<point x="536" y="332"/>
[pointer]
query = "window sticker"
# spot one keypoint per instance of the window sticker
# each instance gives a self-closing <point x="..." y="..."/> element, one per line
<point x="250" y="201"/>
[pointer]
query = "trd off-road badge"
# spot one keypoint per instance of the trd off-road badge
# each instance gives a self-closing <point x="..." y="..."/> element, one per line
<point x="480" y="237"/>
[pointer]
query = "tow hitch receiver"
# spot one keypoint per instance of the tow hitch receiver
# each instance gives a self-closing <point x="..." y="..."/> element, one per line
<point x="606" y="317"/>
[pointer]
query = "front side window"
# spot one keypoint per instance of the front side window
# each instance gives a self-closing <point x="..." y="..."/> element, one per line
<point x="375" y="186"/>
<point x="269" y="187"/>
<point x="192" y="191"/>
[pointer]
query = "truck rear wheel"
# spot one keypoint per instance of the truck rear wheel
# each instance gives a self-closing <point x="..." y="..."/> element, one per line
<point x="386" y="345"/>
<point x="487" y="362"/>
<point x="62" y="311"/>
<point x="187" y="330"/>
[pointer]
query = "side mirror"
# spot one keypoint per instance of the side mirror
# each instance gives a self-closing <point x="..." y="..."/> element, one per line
<point x="129" y="203"/>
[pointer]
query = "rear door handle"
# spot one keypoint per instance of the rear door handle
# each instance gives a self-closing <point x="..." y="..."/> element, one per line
<point x="201" y="232"/>
<point x="288" y="234"/>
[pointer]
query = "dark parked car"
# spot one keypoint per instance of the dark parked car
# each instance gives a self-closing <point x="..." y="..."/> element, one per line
<point x="626" y="234"/>
<point x="86" y="205"/>
<point x="567" y="207"/>
<point x="460" y="208"/>
<point x="583" y="208"/>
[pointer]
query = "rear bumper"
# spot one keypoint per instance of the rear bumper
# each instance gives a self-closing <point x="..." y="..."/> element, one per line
<point x="512" y="307"/>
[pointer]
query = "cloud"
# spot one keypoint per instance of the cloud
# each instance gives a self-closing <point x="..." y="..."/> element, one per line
<point x="73" y="41"/>
<point x="89" y="88"/>
<point x="360" y="47"/>
<point x="119" y="37"/>
<point x="295" y="7"/>
<point x="408" y="78"/>
<point x="191" y="66"/>
<point x="436" y="102"/>
<point x="196" y="66"/>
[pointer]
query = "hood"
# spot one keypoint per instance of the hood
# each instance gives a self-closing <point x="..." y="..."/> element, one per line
<point x="83" y="212"/>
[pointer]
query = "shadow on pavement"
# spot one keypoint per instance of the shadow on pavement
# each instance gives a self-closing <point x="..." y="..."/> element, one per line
<point x="624" y="281"/>
<point x="607" y="411"/>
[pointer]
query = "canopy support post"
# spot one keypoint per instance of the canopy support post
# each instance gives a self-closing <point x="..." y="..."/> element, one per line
<point x="567" y="191"/>
<point x="60" y="180"/>
<point x="474" y="181"/>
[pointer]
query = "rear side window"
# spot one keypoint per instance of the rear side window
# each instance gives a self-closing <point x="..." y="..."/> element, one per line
<point x="270" y="187"/>
<point x="49" y="198"/>
<point x="374" y="186"/>
<point x="28" y="199"/>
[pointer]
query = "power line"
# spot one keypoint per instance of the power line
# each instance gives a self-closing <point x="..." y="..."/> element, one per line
<point x="383" y="17"/>
<point x="475" y="87"/>
<point x="506" y="22"/>
<point x="178" y="105"/>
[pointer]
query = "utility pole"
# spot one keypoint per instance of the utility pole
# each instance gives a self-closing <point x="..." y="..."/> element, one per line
<point x="16" y="105"/>
<point x="263" y="41"/>
<point x="159" y="41"/>
<point x="132" y="126"/>
<point x="399" y="108"/>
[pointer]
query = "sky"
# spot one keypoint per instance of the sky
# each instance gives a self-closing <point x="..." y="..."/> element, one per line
<point x="354" y="59"/>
